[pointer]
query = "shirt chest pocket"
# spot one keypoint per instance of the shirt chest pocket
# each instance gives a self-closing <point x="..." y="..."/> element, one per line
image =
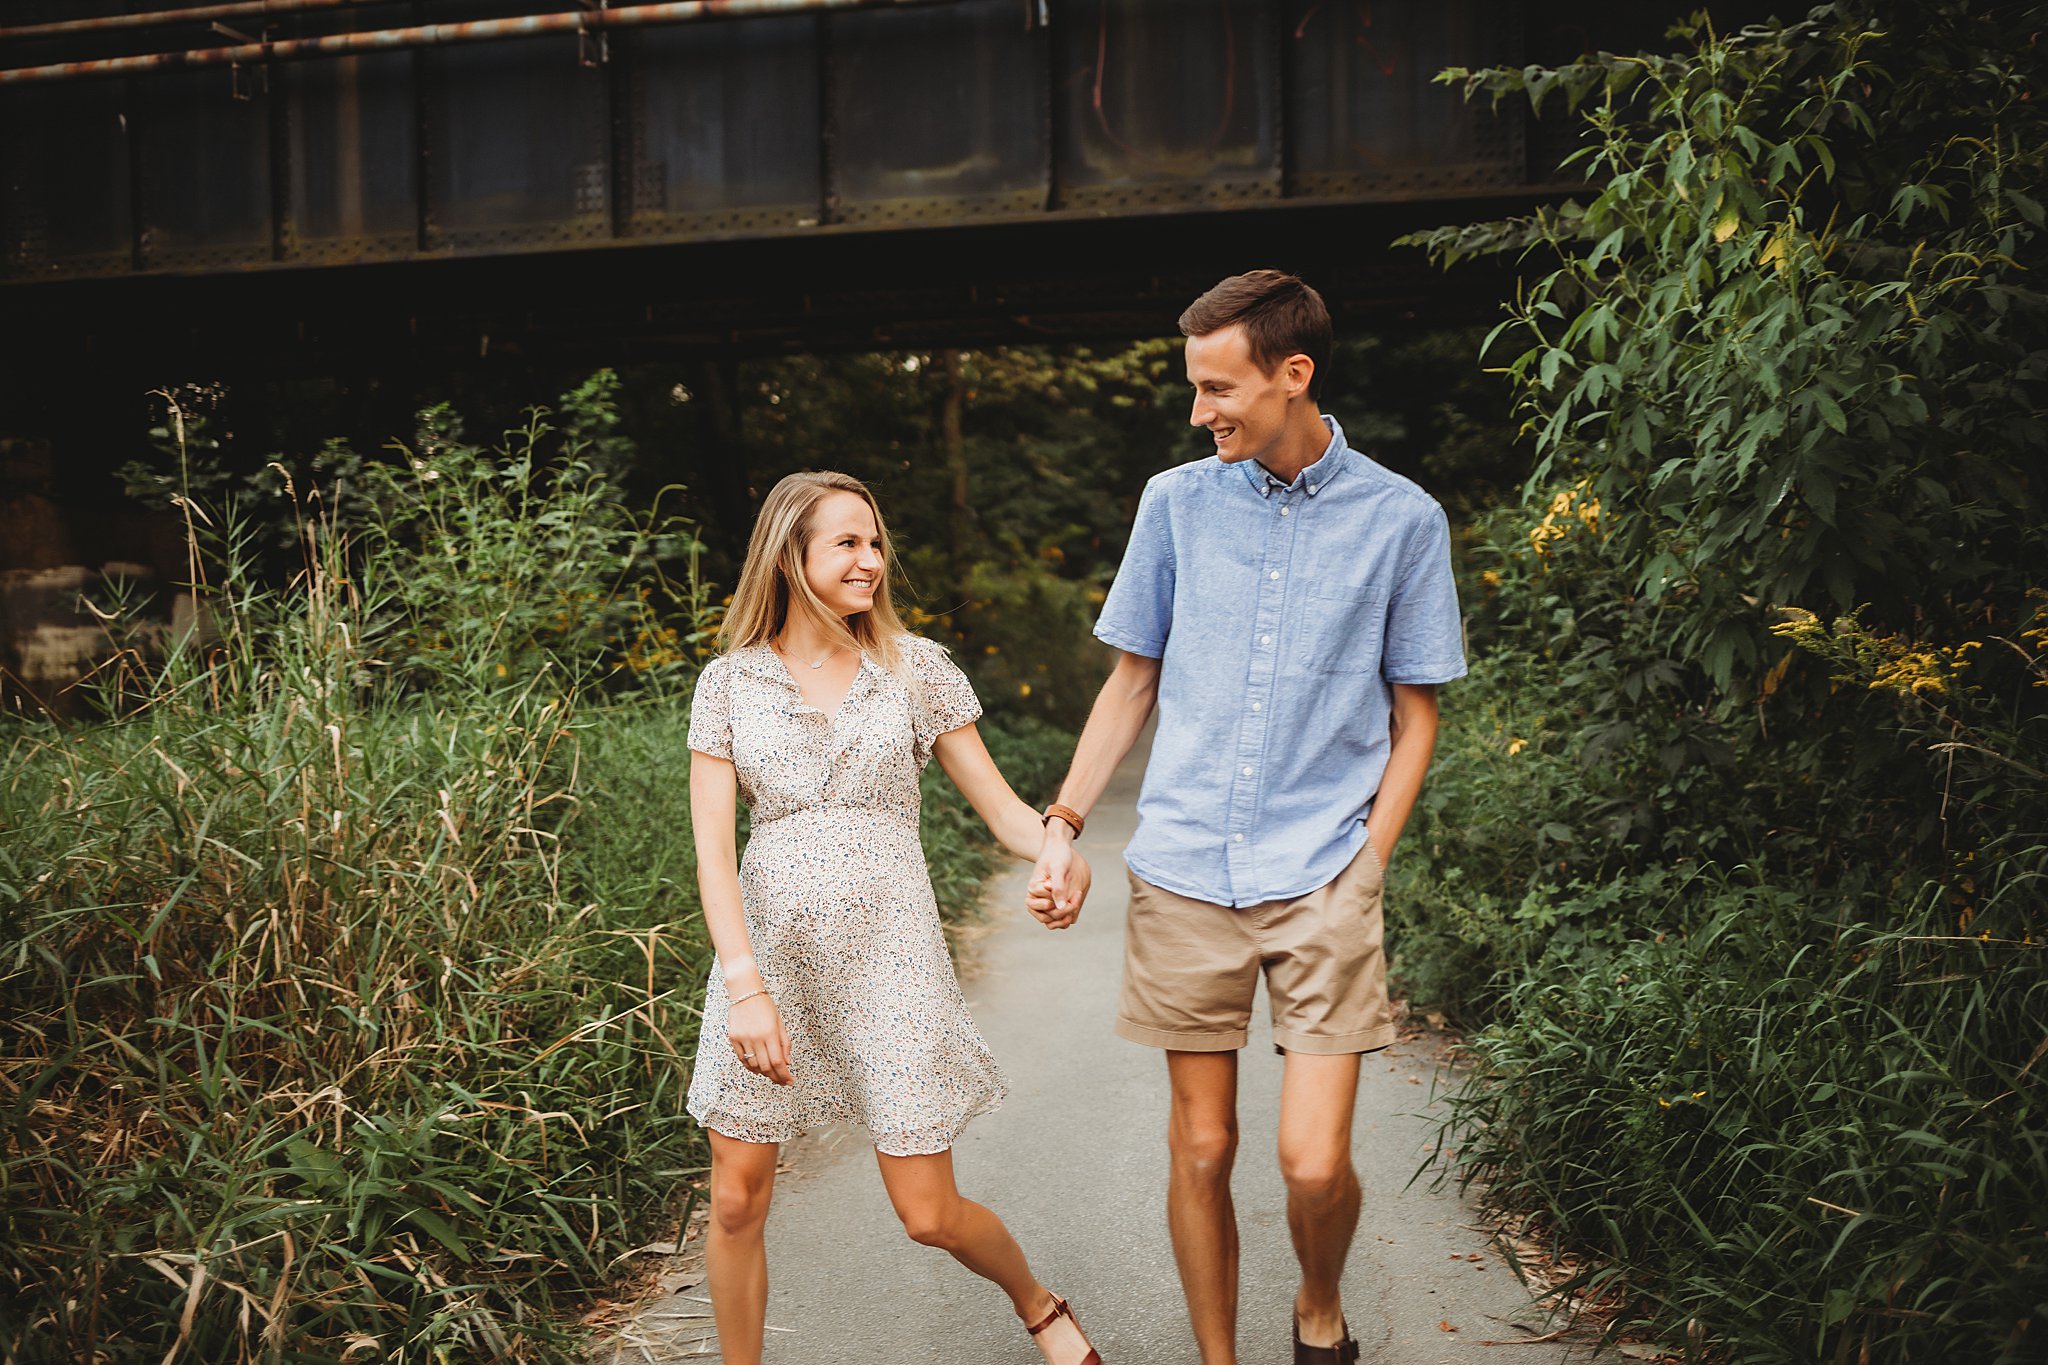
<point x="1342" y="630"/>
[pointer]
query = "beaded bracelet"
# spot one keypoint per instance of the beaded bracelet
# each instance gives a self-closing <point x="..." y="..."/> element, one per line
<point x="745" y="998"/>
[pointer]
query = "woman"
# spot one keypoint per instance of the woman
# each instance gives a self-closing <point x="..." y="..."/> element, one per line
<point x="834" y="999"/>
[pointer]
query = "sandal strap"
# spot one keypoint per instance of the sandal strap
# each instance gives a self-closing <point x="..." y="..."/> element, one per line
<point x="1344" y="1352"/>
<point x="1059" y="1310"/>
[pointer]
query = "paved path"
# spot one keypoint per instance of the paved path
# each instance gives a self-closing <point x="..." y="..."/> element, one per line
<point x="1075" y="1162"/>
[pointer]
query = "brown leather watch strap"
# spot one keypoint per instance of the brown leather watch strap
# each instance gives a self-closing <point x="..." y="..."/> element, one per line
<point x="1067" y="813"/>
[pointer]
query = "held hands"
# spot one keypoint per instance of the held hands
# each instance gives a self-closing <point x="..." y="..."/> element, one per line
<point x="1059" y="881"/>
<point x="754" y="1028"/>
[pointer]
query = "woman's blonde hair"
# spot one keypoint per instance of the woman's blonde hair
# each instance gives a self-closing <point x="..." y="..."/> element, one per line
<point x="772" y="582"/>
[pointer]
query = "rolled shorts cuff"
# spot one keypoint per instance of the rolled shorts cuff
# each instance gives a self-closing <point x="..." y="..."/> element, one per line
<point x="1229" y="1041"/>
<point x="1336" y="1045"/>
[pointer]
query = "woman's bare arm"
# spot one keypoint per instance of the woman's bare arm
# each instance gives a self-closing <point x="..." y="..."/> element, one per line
<point x="753" y="1026"/>
<point x="966" y="760"/>
<point x="1016" y="826"/>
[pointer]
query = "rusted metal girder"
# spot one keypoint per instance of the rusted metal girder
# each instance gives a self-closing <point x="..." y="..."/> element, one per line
<point x="439" y="35"/>
<point x="236" y="9"/>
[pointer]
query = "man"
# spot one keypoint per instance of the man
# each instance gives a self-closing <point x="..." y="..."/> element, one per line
<point x="1288" y="606"/>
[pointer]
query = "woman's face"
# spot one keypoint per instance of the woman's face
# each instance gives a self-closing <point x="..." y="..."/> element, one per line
<point x="843" y="562"/>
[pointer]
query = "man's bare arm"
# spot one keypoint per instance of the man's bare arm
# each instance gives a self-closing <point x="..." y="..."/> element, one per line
<point x="1120" y="712"/>
<point x="1414" y="735"/>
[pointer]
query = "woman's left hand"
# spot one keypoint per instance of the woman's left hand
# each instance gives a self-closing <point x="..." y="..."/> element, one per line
<point x="1057" y="906"/>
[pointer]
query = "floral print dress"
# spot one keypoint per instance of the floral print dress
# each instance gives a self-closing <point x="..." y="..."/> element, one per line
<point x="840" y="909"/>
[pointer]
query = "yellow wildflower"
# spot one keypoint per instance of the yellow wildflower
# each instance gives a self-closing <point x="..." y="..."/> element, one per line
<point x="1573" y="504"/>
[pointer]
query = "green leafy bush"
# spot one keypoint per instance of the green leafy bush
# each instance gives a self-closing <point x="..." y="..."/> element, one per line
<point x="1740" y="835"/>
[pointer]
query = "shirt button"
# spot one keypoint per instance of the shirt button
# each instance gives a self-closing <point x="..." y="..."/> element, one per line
<point x="1312" y="488"/>
<point x="1275" y="575"/>
<point x="1285" y="510"/>
<point x="1255" y="706"/>
<point x="1237" y="838"/>
<point x="1265" y="639"/>
<point x="1247" y="772"/>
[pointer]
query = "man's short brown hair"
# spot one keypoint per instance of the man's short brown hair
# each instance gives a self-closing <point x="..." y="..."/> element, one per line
<point x="1281" y="317"/>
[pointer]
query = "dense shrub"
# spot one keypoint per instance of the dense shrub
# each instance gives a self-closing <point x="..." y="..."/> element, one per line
<point x="1740" y="835"/>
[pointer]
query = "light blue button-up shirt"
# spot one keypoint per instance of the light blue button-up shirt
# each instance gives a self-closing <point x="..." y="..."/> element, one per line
<point x="1282" y="614"/>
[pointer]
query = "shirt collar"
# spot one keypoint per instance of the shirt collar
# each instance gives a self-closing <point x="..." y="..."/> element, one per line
<point x="1311" y="480"/>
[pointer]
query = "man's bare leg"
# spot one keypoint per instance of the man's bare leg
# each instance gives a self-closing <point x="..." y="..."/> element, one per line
<point x="1317" y="1096"/>
<point x="1202" y="1138"/>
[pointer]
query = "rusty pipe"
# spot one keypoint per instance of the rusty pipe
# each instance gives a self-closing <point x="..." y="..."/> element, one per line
<point x="236" y="9"/>
<point x="439" y="35"/>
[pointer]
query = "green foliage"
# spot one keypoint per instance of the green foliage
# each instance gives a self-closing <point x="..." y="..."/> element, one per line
<point x="353" y="958"/>
<point x="1587" y="771"/>
<point x="1793" y="346"/>
<point x="1740" y="830"/>
<point x="1415" y="403"/>
<point x="1821" y="1140"/>
<point x="491" y="560"/>
<point x="310" y="1044"/>
<point x="506" y="561"/>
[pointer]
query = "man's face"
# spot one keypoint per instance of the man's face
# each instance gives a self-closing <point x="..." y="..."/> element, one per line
<point x="1243" y="407"/>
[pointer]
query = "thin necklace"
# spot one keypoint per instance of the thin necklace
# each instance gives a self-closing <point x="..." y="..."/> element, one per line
<point x="814" y="663"/>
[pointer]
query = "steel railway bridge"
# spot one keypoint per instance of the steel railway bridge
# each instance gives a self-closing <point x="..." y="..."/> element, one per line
<point x="286" y="183"/>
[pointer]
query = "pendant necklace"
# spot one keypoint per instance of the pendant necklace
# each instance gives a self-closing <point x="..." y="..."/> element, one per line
<point x="817" y="663"/>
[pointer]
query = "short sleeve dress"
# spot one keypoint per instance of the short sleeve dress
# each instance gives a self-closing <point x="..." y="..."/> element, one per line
<point x="840" y="909"/>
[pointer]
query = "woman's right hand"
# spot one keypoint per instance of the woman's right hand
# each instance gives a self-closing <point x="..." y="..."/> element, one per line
<point x="754" y="1028"/>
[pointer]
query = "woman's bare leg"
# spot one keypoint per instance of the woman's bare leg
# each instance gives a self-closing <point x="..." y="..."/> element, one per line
<point x="935" y="1213"/>
<point x="735" y="1256"/>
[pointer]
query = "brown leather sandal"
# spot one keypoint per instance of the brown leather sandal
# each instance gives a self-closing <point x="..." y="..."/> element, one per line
<point x="1061" y="1309"/>
<point x="1345" y="1352"/>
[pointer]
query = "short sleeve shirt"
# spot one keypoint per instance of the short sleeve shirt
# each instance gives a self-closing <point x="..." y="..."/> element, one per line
<point x="1282" y="614"/>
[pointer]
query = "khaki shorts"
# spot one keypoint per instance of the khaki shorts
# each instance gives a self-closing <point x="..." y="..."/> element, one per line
<point x="1190" y="967"/>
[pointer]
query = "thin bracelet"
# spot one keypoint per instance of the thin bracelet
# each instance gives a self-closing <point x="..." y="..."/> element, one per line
<point x="745" y="998"/>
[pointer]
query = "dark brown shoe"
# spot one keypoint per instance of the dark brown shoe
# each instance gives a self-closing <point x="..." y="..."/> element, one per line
<point x="1344" y="1352"/>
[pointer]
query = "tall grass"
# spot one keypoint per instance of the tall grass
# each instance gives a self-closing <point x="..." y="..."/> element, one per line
<point x="1821" y="1142"/>
<point x="315" y="1048"/>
